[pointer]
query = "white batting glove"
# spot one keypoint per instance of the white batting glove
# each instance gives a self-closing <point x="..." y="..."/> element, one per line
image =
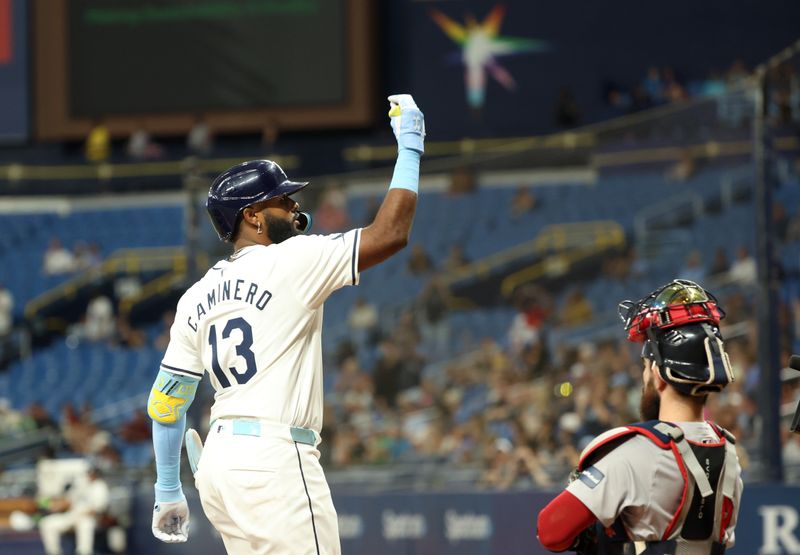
<point x="171" y="521"/>
<point x="408" y="122"/>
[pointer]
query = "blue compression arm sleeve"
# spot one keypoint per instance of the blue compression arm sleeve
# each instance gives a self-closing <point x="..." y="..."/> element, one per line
<point x="170" y="398"/>
<point x="406" y="170"/>
<point x="167" y="441"/>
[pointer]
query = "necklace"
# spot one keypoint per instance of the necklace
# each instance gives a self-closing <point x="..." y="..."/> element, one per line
<point x="237" y="252"/>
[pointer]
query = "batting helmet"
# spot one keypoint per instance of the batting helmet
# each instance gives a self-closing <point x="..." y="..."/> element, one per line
<point x="242" y="186"/>
<point x="679" y="326"/>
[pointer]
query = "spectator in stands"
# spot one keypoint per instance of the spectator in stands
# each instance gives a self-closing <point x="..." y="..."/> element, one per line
<point x="737" y="73"/>
<point x="654" y="86"/>
<point x="129" y="336"/>
<point x="86" y="255"/>
<point x="532" y="306"/>
<point x="419" y="262"/>
<point x="127" y="287"/>
<point x="463" y="181"/>
<point x="99" y="323"/>
<point x="619" y="101"/>
<point x="141" y="146"/>
<point x="456" y="258"/>
<point x="781" y="221"/>
<point x="743" y="271"/>
<point x="6" y="311"/>
<point x="720" y="264"/>
<point x="363" y="323"/>
<point x="617" y="266"/>
<point x="693" y="269"/>
<point x="640" y="99"/>
<point x="269" y="137"/>
<point x="200" y="139"/>
<point x="523" y="202"/>
<point x="406" y="336"/>
<point x="390" y="374"/>
<point x="349" y="373"/>
<point x="39" y="419"/>
<point x="98" y="143"/>
<point x="684" y="168"/>
<point x="434" y="302"/>
<point x="73" y="428"/>
<point x="673" y="89"/>
<point x="638" y="266"/>
<point x="566" y="113"/>
<point x="501" y="471"/>
<point x="331" y="214"/>
<point x="57" y="259"/>
<point x="162" y="339"/>
<point x="11" y="421"/>
<point x="84" y="504"/>
<point x="137" y="429"/>
<point x="791" y="452"/>
<point x="347" y="448"/>
<point x="793" y="227"/>
<point x="577" y="310"/>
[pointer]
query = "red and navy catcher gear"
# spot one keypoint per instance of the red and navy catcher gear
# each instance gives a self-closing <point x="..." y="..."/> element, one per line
<point x="245" y="185"/>
<point x="706" y="507"/>
<point x="679" y="325"/>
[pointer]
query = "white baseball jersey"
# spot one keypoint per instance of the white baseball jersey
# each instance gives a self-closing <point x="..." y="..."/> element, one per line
<point x="254" y="323"/>
<point x="641" y="483"/>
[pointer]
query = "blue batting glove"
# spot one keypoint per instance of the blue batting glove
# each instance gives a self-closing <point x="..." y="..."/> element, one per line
<point x="408" y="122"/>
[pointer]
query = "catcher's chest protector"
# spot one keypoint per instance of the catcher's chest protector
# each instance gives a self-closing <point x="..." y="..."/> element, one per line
<point x="706" y="507"/>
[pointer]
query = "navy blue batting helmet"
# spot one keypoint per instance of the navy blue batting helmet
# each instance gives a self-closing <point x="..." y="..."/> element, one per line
<point x="242" y="186"/>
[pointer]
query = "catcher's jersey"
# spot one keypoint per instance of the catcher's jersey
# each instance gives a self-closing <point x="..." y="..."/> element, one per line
<point x="254" y="323"/>
<point x="642" y="483"/>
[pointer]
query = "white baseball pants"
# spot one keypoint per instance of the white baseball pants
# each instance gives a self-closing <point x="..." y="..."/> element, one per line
<point x="265" y="493"/>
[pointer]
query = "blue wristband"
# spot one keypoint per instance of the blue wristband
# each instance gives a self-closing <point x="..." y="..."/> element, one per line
<point x="406" y="170"/>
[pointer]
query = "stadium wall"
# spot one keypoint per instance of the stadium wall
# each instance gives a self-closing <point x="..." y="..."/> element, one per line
<point x="476" y="523"/>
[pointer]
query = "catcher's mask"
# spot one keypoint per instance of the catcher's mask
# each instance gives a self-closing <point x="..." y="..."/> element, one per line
<point x="679" y="326"/>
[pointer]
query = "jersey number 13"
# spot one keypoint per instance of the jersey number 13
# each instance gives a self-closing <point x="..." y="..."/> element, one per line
<point x="243" y="349"/>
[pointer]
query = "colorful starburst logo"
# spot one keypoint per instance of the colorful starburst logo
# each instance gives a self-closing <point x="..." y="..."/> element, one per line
<point x="480" y="49"/>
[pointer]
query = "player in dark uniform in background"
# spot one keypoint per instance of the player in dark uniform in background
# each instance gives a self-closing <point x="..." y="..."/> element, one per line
<point x="670" y="485"/>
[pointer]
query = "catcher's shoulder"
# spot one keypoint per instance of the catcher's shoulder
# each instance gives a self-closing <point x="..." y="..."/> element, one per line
<point x="607" y="442"/>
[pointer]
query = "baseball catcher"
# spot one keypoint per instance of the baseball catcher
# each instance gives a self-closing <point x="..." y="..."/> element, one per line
<point x="669" y="485"/>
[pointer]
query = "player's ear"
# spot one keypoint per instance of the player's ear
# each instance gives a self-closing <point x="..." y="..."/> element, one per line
<point x="657" y="379"/>
<point x="249" y="215"/>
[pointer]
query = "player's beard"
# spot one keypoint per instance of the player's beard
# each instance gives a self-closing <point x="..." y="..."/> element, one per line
<point x="650" y="404"/>
<point x="279" y="230"/>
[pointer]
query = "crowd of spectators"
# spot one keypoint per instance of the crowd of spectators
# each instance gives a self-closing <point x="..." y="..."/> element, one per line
<point x="59" y="260"/>
<point x="664" y="85"/>
<point x="75" y="432"/>
<point x="518" y="410"/>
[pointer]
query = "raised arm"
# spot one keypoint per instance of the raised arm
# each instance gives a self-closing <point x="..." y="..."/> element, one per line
<point x="389" y="232"/>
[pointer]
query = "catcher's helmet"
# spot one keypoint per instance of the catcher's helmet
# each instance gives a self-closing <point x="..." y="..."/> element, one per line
<point x="679" y="325"/>
<point x="242" y="186"/>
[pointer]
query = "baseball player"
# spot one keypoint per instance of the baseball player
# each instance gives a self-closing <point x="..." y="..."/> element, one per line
<point x="253" y="323"/>
<point x="670" y="485"/>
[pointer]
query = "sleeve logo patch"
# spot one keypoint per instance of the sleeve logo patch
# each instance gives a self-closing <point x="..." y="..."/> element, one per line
<point x="591" y="477"/>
